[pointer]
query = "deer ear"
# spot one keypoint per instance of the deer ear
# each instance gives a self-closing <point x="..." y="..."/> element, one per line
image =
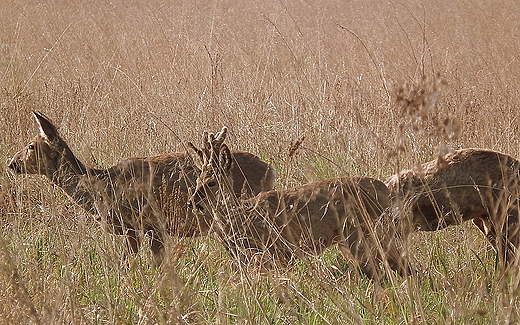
<point x="47" y="129"/>
<point x="225" y="158"/>
<point x="220" y="137"/>
<point x="198" y="157"/>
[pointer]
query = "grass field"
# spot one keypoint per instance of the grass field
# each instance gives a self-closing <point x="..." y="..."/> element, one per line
<point x="140" y="78"/>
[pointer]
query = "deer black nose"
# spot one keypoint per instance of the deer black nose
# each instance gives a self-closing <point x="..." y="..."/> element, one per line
<point x="15" y="166"/>
<point x="195" y="206"/>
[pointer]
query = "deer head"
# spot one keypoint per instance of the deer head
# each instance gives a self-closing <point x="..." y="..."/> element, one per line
<point x="214" y="182"/>
<point x="46" y="153"/>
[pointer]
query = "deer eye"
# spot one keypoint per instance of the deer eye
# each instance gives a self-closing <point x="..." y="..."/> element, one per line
<point x="30" y="147"/>
<point x="212" y="184"/>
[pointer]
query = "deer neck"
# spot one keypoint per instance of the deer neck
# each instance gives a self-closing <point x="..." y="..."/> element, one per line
<point x="236" y="214"/>
<point x="227" y="200"/>
<point x="72" y="175"/>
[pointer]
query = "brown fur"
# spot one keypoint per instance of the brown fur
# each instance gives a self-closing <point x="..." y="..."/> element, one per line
<point x="138" y="195"/>
<point x="303" y="220"/>
<point x="468" y="184"/>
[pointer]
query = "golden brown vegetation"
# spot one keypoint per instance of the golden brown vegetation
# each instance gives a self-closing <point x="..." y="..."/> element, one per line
<point x="139" y="78"/>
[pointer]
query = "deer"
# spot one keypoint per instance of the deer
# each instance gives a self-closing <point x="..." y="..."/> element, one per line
<point x="138" y="196"/>
<point x="274" y="227"/>
<point x="466" y="184"/>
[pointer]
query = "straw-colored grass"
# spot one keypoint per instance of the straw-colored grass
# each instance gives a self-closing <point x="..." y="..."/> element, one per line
<point x="140" y="78"/>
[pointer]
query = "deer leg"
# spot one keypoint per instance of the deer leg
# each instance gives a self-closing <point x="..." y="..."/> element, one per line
<point x="512" y="237"/>
<point x="506" y="241"/>
<point x="356" y="255"/>
<point x="157" y="247"/>
<point x="396" y="260"/>
<point x="364" y="250"/>
<point x="484" y="224"/>
<point x="499" y="240"/>
<point x="352" y="248"/>
<point x="132" y="241"/>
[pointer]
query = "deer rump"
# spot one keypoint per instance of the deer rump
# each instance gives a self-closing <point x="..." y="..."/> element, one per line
<point x="468" y="184"/>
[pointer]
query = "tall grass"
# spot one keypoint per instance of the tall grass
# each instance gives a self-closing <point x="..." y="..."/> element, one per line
<point x="138" y="78"/>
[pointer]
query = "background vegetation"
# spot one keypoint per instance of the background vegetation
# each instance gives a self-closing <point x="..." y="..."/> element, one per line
<point x="137" y="78"/>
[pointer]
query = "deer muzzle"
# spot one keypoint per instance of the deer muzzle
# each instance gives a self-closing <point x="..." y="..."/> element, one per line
<point x="15" y="166"/>
<point x="195" y="201"/>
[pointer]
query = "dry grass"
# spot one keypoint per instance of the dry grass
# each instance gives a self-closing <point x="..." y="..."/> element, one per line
<point x="134" y="78"/>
